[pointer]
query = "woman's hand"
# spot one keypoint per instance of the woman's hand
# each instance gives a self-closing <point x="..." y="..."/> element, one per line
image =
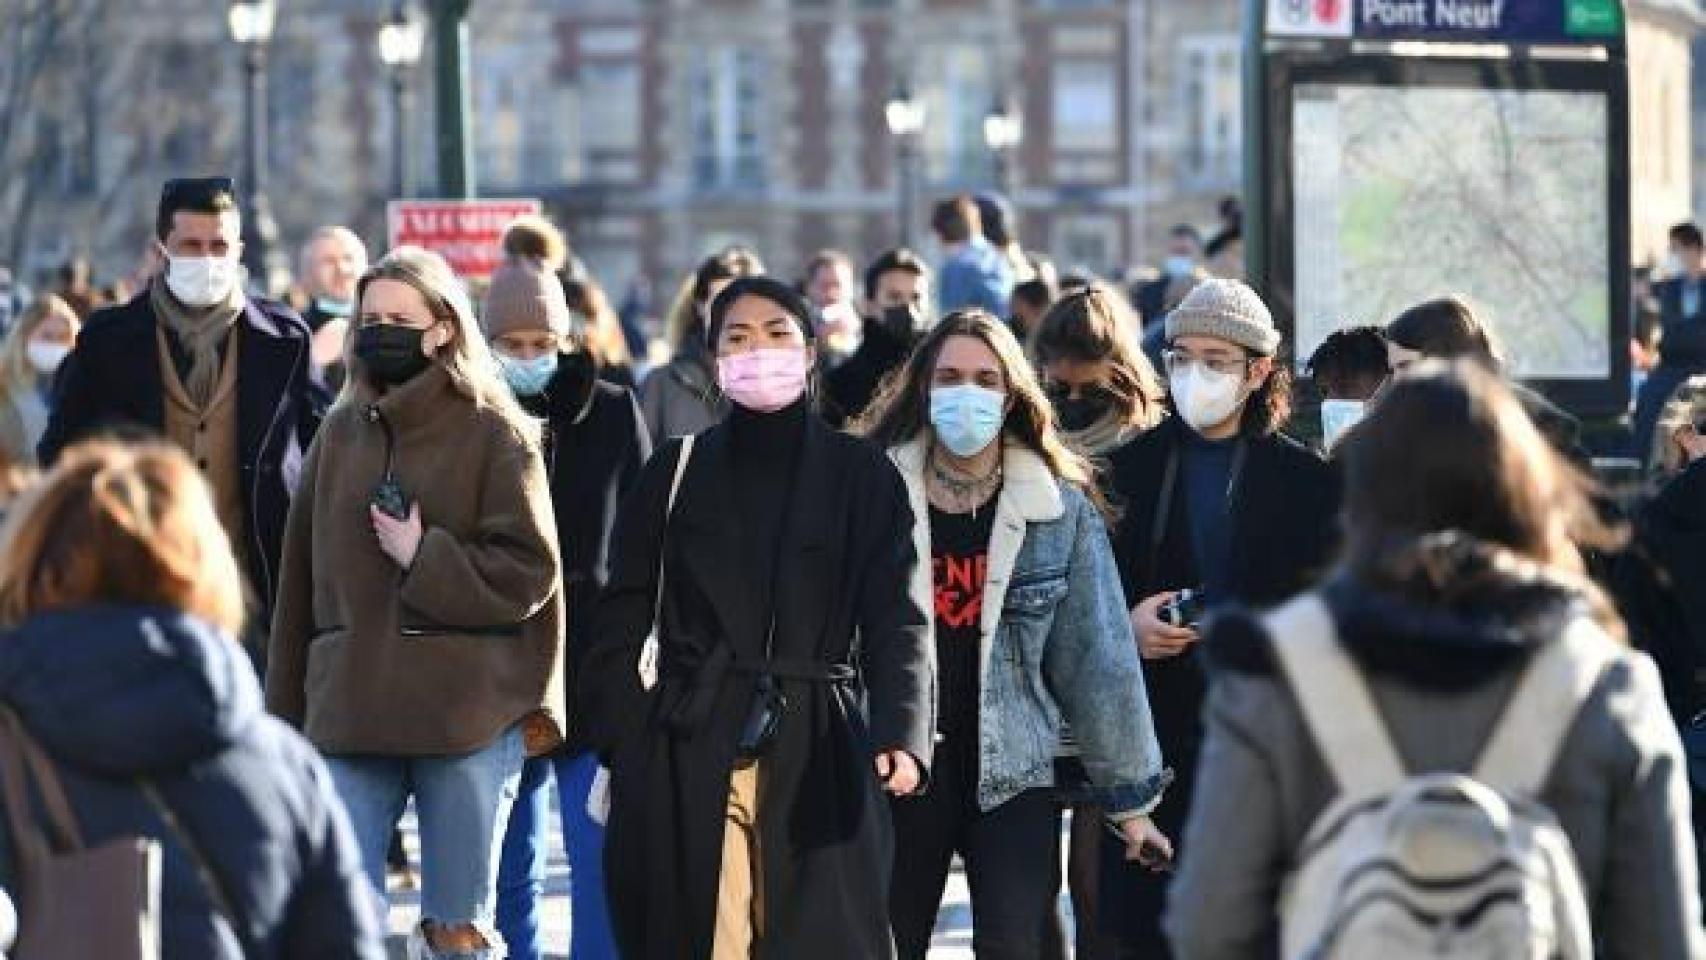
<point x="1146" y="844"/>
<point x="400" y="539"/>
<point x="1690" y="442"/>
<point x="1157" y="639"/>
<point x="898" y="772"/>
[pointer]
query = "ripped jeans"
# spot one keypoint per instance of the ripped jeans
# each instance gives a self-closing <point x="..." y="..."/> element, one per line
<point x="463" y="802"/>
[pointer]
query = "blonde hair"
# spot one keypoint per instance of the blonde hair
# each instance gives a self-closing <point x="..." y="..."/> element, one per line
<point x="467" y="358"/>
<point x="16" y="374"/>
<point x="604" y="339"/>
<point x="685" y="317"/>
<point x="120" y="524"/>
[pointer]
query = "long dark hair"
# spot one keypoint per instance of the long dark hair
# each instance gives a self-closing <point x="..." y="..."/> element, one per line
<point x="1094" y="325"/>
<point x="1449" y="449"/>
<point x="901" y="411"/>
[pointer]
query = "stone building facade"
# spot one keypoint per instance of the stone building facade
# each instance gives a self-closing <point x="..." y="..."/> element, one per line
<point x="656" y="130"/>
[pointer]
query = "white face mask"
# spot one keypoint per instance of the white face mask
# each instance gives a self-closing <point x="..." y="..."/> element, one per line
<point x="45" y="358"/>
<point x="201" y="281"/>
<point x="1205" y="398"/>
<point x="1673" y="265"/>
<point x="1337" y="416"/>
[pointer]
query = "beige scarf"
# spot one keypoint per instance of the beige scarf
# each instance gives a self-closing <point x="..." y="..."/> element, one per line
<point x="200" y="331"/>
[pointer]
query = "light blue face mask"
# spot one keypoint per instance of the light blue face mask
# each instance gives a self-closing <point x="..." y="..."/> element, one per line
<point x="967" y="418"/>
<point x="528" y="378"/>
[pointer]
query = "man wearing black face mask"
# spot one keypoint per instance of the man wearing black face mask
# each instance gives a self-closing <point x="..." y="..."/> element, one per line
<point x="897" y="292"/>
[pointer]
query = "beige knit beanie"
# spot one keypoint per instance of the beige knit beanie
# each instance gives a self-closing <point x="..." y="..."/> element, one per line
<point x="1226" y="310"/>
<point x="524" y="299"/>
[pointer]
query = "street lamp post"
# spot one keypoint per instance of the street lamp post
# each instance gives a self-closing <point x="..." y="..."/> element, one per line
<point x="1002" y="131"/>
<point x="252" y="23"/>
<point x="400" y="41"/>
<point x="450" y="57"/>
<point x="905" y="114"/>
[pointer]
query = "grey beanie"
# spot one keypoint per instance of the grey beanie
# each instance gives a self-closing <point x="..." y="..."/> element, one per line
<point x="1226" y="310"/>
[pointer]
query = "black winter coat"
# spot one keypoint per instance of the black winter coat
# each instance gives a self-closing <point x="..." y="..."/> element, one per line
<point x="842" y="598"/>
<point x="111" y="382"/>
<point x="851" y="387"/>
<point x="595" y="443"/>
<point x="1284" y="532"/>
<point x="114" y="694"/>
<point x="1661" y="588"/>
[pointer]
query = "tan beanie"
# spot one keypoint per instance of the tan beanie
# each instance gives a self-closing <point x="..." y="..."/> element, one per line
<point x="524" y="299"/>
<point x="1226" y="310"/>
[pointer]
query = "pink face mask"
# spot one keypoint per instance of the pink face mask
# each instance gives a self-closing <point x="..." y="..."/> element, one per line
<point x="764" y="381"/>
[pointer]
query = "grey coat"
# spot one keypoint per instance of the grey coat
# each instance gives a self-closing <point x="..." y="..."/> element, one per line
<point x="1441" y="666"/>
<point x="682" y="398"/>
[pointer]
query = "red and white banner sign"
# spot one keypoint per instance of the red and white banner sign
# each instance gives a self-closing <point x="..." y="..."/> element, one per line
<point x="467" y="233"/>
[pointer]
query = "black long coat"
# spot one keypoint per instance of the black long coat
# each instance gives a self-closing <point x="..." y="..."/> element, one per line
<point x="595" y="443"/>
<point x="842" y="597"/>
<point x="1284" y="532"/>
<point x="111" y="382"/>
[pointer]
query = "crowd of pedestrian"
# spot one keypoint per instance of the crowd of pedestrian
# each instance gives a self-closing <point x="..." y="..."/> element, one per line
<point x="880" y="570"/>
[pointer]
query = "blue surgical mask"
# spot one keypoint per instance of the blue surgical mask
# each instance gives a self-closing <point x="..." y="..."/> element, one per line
<point x="528" y="378"/>
<point x="1337" y="417"/>
<point x="335" y="308"/>
<point x="967" y="418"/>
<point x="1179" y="265"/>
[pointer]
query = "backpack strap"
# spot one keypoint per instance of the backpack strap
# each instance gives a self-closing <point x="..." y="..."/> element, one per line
<point x="1337" y="707"/>
<point x="1559" y="679"/>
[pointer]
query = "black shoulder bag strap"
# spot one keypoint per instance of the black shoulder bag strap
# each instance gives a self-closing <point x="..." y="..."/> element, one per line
<point x="216" y="889"/>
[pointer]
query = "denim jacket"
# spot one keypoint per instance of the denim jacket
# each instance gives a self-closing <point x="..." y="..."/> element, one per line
<point x="1056" y="642"/>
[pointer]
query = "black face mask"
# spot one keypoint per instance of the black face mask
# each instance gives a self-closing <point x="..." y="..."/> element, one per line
<point x="903" y="323"/>
<point x="390" y="354"/>
<point x="1081" y="413"/>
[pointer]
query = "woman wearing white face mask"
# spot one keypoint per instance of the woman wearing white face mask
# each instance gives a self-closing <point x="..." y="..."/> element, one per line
<point x="1030" y="630"/>
<point x="30" y="357"/>
<point x="770" y="558"/>
<point x="1216" y="501"/>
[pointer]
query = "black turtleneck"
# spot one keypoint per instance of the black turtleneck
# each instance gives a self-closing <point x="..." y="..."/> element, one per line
<point x="765" y="450"/>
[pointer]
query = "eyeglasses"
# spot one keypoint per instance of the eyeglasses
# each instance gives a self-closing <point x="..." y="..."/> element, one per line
<point x="1177" y="360"/>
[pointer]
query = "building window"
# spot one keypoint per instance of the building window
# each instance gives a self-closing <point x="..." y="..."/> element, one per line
<point x="1088" y="240"/>
<point x="957" y="88"/>
<point x="607" y="101"/>
<point x="1086" y="108"/>
<point x="1211" y="108"/>
<point x="726" y="89"/>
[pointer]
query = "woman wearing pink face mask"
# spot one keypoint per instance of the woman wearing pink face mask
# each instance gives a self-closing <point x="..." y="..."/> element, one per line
<point x="794" y="672"/>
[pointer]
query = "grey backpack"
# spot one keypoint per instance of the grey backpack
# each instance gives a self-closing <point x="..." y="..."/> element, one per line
<point x="1440" y="865"/>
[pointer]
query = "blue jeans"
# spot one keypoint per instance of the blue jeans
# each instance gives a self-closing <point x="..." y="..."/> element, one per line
<point x="461" y="802"/>
<point x="521" y="878"/>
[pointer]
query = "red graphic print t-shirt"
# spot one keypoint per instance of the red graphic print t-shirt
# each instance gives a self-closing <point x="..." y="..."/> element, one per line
<point x="959" y="563"/>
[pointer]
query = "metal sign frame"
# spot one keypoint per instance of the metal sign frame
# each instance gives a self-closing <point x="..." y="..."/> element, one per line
<point x="1274" y="67"/>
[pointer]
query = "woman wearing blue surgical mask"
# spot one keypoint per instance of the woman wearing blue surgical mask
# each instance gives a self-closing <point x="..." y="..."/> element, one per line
<point x="595" y="443"/>
<point x="1030" y="631"/>
<point x="1217" y="502"/>
<point x="29" y="359"/>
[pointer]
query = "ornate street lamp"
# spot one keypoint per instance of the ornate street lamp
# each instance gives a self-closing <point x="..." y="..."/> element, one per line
<point x="905" y="114"/>
<point x="1003" y="130"/>
<point x="252" y="23"/>
<point x="401" y="41"/>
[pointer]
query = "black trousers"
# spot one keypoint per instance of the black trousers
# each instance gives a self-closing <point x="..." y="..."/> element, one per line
<point x="1011" y="854"/>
